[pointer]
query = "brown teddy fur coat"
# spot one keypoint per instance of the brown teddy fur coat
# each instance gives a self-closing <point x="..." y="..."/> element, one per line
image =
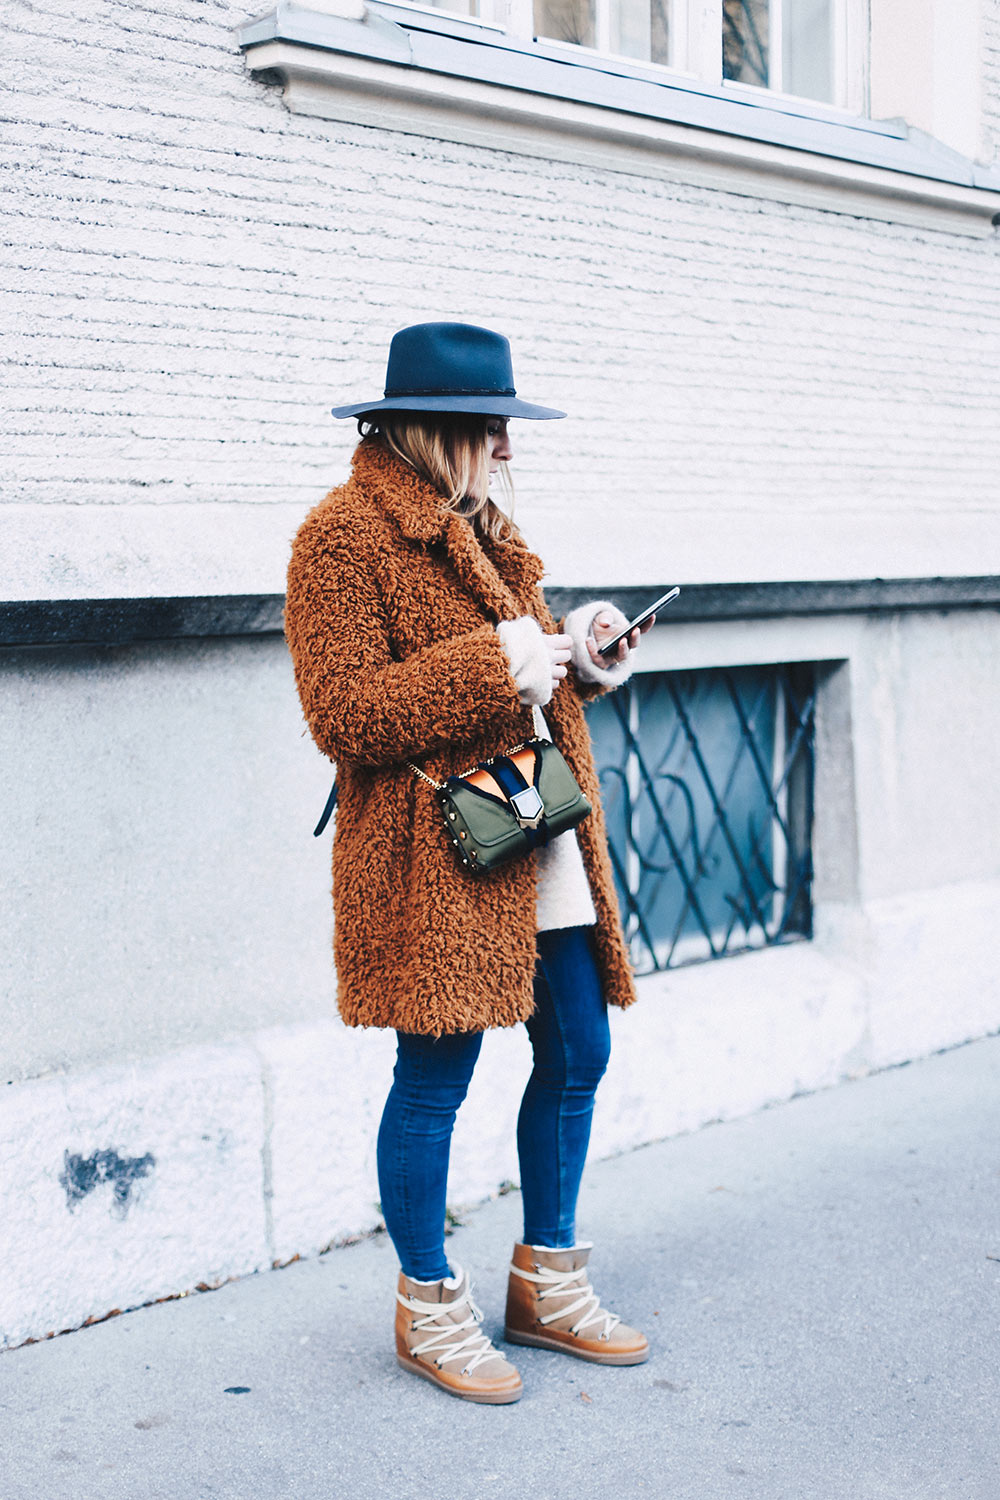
<point x="390" y="618"/>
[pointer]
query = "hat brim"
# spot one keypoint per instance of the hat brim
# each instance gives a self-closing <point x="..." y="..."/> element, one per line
<point x="487" y="406"/>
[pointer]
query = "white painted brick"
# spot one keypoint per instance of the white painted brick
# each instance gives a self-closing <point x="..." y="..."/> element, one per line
<point x="206" y="249"/>
<point x="990" y="146"/>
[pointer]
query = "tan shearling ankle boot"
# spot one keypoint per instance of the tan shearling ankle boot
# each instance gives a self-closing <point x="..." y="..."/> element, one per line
<point x="551" y="1305"/>
<point x="438" y="1337"/>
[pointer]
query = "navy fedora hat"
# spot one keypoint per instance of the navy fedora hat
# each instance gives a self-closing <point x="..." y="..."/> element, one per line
<point x="449" y="367"/>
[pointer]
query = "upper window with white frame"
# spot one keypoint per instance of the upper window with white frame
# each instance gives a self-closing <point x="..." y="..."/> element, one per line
<point x="792" y="46"/>
<point x="800" y="48"/>
<point x="802" y="84"/>
<point x="642" y="29"/>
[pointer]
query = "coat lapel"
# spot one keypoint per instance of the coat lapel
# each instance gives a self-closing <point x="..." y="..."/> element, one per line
<point x="502" y="576"/>
<point x="479" y="573"/>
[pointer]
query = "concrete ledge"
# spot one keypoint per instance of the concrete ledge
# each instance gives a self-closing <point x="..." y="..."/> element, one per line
<point x="124" y="1184"/>
<point x="48" y="622"/>
<point x="116" y="622"/>
<point x="121" y="1185"/>
<point x="760" y="601"/>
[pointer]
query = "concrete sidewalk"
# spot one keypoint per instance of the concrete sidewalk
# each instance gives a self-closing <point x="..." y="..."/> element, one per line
<point x="820" y="1283"/>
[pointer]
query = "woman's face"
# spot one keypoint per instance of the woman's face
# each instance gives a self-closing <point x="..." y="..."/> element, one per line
<point x="498" y="449"/>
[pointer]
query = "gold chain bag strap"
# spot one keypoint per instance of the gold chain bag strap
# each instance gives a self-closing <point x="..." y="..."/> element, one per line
<point x="509" y="804"/>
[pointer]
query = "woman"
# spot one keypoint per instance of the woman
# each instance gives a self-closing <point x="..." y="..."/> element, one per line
<point x="418" y="632"/>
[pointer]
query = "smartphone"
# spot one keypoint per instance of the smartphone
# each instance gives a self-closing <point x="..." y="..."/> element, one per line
<point x="640" y="619"/>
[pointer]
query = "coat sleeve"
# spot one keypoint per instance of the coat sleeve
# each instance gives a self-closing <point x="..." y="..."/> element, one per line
<point x="360" y="702"/>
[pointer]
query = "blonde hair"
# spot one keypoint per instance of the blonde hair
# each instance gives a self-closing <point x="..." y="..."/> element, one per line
<point x="449" y="450"/>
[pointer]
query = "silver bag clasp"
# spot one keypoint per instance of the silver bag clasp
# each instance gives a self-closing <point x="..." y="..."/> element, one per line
<point x="528" y="807"/>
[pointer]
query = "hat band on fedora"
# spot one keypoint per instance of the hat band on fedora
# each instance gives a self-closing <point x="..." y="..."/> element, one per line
<point x="451" y="390"/>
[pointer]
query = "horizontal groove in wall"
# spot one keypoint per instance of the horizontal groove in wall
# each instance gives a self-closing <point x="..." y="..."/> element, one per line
<point x="115" y="622"/>
<point x="51" y="622"/>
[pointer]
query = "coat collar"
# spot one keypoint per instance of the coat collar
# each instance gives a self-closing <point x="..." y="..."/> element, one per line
<point x="503" y="576"/>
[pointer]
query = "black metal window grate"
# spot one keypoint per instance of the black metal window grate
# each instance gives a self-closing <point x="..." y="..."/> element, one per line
<point x="707" y="786"/>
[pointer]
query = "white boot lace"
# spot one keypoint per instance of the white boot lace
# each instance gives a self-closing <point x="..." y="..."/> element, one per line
<point x="474" y="1348"/>
<point x="569" y="1284"/>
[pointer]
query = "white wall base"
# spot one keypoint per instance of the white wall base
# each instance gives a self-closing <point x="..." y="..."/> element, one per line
<point x="194" y="1214"/>
<point x="262" y="1150"/>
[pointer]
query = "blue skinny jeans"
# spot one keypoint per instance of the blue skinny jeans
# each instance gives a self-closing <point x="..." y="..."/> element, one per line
<point x="570" y="1042"/>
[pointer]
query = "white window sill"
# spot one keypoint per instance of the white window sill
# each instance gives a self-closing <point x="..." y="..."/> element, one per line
<point x="434" y="74"/>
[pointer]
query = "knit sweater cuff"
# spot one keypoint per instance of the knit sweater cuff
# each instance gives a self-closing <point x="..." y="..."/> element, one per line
<point x="530" y="658"/>
<point x="579" y="624"/>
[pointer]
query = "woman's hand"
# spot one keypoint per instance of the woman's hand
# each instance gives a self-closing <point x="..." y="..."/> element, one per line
<point x="561" y="650"/>
<point x="604" y="628"/>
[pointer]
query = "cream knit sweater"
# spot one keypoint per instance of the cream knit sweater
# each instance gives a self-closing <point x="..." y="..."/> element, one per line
<point x="564" y="898"/>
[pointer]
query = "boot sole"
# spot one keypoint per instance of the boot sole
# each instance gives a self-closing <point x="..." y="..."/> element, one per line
<point x="481" y="1398"/>
<point x="543" y="1341"/>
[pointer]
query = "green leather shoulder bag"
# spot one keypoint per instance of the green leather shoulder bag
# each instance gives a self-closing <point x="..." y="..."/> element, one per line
<point x="509" y="805"/>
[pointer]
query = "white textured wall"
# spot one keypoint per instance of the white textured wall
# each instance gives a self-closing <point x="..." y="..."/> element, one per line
<point x="161" y="886"/>
<point x="990" y="149"/>
<point x="195" y="274"/>
<point x="923" y="58"/>
<point x="159" y="881"/>
<point x="169" y="989"/>
<point x="215" y="1161"/>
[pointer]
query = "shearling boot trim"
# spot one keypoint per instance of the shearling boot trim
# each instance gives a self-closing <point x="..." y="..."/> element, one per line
<point x="551" y="1305"/>
<point x="438" y="1337"/>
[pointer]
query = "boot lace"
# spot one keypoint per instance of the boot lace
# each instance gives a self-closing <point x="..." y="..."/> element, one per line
<point x="445" y="1342"/>
<point x="563" y="1284"/>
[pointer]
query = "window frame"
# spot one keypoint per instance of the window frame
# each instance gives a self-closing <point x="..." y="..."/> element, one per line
<point x="677" y="34"/>
<point x="677" y="814"/>
<point x="424" y="71"/>
<point x="695" y="45"/>
<point x="850" y="61"/>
